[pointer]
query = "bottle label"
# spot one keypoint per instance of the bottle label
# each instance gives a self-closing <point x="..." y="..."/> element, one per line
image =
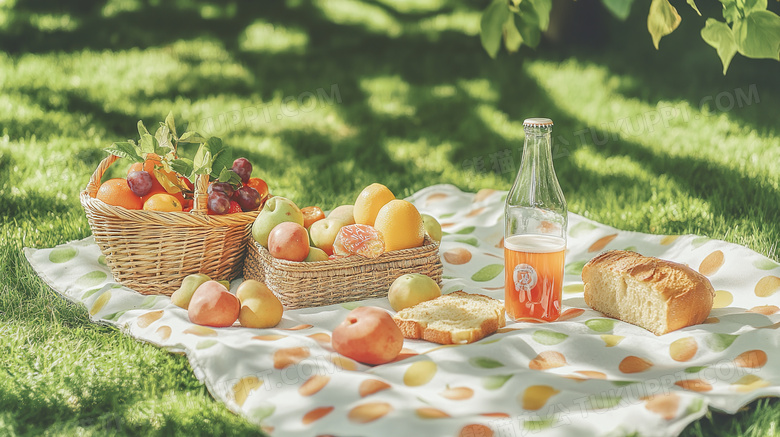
<point x="525" y="277"/>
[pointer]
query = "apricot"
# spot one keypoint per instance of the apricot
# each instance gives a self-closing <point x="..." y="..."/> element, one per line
<point x="213" y="305"/>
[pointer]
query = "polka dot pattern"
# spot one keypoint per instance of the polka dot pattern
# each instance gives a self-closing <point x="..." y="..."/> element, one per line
<point x="289" y="380"/>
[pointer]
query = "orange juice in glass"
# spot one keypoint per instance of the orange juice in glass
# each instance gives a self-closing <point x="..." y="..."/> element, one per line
<point x="535" y="231"/>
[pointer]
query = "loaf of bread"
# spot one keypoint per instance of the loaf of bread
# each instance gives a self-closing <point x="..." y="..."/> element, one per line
<point x="658" y="295"/>
<point x="453" y="318"/>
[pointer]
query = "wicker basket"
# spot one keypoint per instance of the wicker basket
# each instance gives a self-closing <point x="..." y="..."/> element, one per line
<point x="151" y="252"/>
<point x="311" y="284"/>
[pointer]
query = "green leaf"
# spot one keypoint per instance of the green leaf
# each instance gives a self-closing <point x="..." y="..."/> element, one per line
<point x="148" y="144"/>
<point x="661" y="20"/>
<point x="487" y="273"/>
<point x="694" y="369"/>
<point x="537" y="425"/>
<point x="749" y="6"/>
<point x="125" y="149"/>
<point x="758" y="35"/>
<point x="202" y="162"/>
<point x="692" y="3"/>
<point x="720" y="342"/>
<point x="543" y="8"/>
<point x="472" y="241"/>
<point x="492" y="26"/>
<point x="604" y="402"/>
<point x="142" y="129"/>
<point x="619" y="8"/>
<point x="719" y="35"/>
<point x="527" y="23"/>
<point x="163" y="137"/>
<point x="226" y="175"/>
<point x="169" y="122"/>
<point x="182" y="166"/>
<point x="512" y="38"/>
<point x="485" y="362"/>
<point x="548" y="337"/>
<point x="730" y="12"/>
<point x="466" y="230"/>
<point x="192" y="137"/>
<point x="494" y="382"/>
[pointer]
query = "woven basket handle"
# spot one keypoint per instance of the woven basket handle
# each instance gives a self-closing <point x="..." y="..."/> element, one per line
<point x="199" y="206"/>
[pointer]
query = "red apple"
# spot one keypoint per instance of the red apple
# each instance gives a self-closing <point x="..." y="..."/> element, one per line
<point x="290" y="241"/>
<point x="213" y="305"/>
<point x="368" y="335"/>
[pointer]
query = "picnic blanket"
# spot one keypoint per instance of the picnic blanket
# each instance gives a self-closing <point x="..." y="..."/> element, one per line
<point x="584" y="374"/>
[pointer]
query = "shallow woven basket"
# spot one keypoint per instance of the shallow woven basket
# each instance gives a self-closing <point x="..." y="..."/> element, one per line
<point x="311" y="284"/>
<point x="151" y="251"/>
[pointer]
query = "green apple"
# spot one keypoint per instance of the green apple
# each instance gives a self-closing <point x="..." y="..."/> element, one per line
<point x="432" y="227"/>
<point x="343" y="213"/>
<point x="316" y="254"/>
<point x="323" y="233"/>
<point x="260" y="308"/>
<point x="410" y="289"/>
<point x="276" y="210"/>
<point x="183" y="296"/>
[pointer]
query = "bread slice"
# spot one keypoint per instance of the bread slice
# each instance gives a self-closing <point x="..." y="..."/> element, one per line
<point x="658" y="295"/>
<point x="454" y="318"/>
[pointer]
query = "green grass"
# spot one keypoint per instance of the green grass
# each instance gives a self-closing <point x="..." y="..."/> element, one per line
<point x="416" y="102"/>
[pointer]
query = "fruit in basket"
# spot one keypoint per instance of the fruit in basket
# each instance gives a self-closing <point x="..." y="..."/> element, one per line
<point x="234" y="207"/>
<point x="289" y="241"/>
<point x="410" y="289"/>
<point x="140" y="182"/>
<point x="401" y="225"/>
<point x="162" y="202"/>
<point x="260" y="308"/>
<point x="218" y="203"/>
<point x="369" y="202"/>
<point x="248" y="198"/>
<point x="323" y="233"/>
<point x="213" y="305"/>
<point x="360" y="240"/>
<point x="368" y="335"/>
<point x="344" y="214"/>
<point x="432" y="227"/>
<point x="316" y="254"/>
<point x="259" y="185"/>
<point x="158" y="189"/>
<point x="182" y="296"/>
<point x="243" y="168"/>
<point x="116" y="192"/>
<point x="276" y="210"/>
<point x="311" y="214"/>
<point x="221" y="186"/>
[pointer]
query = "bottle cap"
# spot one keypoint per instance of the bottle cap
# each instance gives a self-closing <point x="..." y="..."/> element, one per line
<point x="537" y="122"/>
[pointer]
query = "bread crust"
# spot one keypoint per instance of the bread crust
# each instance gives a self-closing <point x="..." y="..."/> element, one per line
<point x="414" y="330"/>
<point x="687" y="293"/>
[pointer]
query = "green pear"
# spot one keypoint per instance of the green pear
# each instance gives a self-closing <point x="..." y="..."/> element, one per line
<point x="432" y="227"/>
<point x="316" y="254"/>
<point x="182" y="296"/>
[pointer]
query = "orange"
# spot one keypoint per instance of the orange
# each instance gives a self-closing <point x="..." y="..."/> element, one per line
<point x="370" y="201"/>
<point x="162" y="202"/>
<point x="259" y="185"/>
<point x="401" y="225"/>
<point x="311" y="214"/>
<point x="358" y="239"/>
<point x="116" y="192"/>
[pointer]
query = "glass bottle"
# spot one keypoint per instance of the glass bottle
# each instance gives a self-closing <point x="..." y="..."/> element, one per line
<point x="535" y="231"/>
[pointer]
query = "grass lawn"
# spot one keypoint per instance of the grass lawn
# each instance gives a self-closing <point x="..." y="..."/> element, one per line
<point x="326" y="97"/>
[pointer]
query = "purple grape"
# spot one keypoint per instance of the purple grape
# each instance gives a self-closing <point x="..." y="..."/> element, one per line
<point x="221" y="186"/>
<point x="243" y="169"/>
<point x="140" y="182"/>
<point x="248" y="198"/>
<point x="219" y="202"/>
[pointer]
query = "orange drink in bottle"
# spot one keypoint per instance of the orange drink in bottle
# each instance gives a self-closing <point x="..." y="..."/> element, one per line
<point x="535" y="219"/>
<point x="534" y="276"/>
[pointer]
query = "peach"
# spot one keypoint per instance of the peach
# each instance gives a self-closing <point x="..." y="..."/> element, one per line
<point x="213" y="305"/>
<point x="368" y="335"/>
<point x="290" y="241"/>
<point x="276" y="210"/>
